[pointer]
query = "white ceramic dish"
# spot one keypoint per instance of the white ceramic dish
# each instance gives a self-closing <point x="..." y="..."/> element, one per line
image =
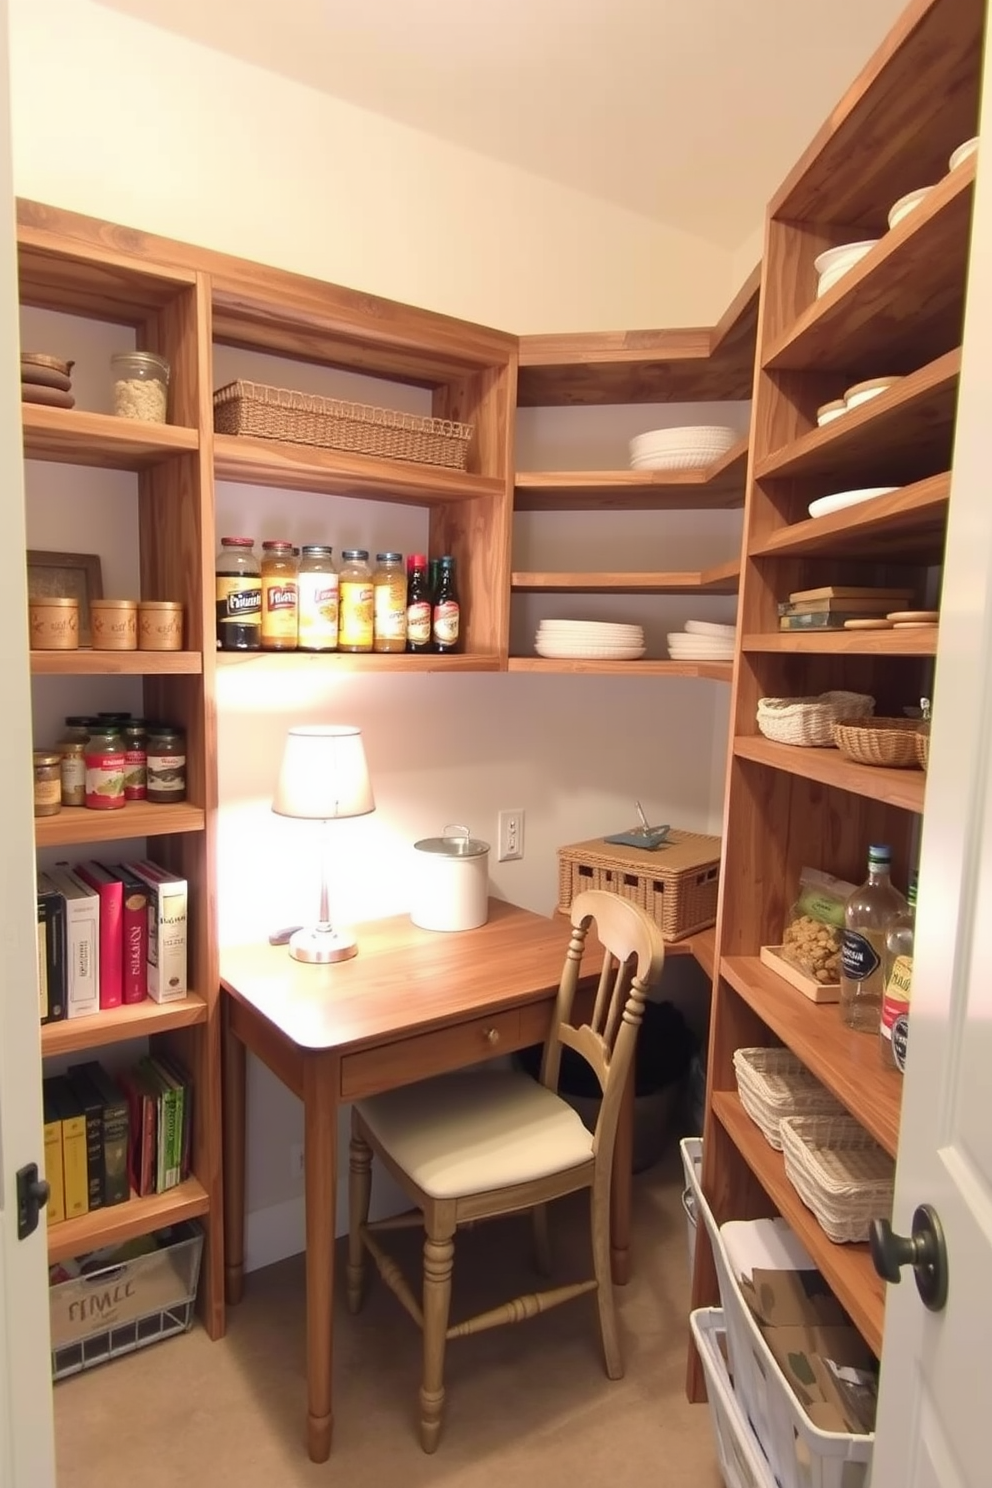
<point x="622" y="636"/>
<point x="589" y="653"/>
<point x="838" y="500"/>
<point x="683" y="642"/>
<point x="827" y="412"/>
<point x="710" y="627"/>
<point x="906" y="204"/>
<point x="689" y="461"/>
<point x="698" y="646"/>
<point x="834" y="263"/>
<point x="861" y="392"/>
<point x="681" y="448"/>
<point x="963" y="152"/>
<point x="602" y="625"/>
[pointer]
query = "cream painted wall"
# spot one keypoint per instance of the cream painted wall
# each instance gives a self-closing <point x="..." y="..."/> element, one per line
<point x="374" y="205"/>
<point x="147" y="129"/>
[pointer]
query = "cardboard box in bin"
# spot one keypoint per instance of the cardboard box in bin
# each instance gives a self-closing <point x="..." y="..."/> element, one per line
<point x="675" y="883"/>
<point x="124" y="1283"/>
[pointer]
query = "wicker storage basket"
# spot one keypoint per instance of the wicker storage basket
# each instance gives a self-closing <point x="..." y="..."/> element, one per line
<point x="302" y="418"/>
<point x="677" y="885"/>
<point x="923" y="746"/>
<point x="773" y="1084"/>
<point x="879" y="741"/>
<point x="839" y="1172"/>
<point x="809" y="721"/>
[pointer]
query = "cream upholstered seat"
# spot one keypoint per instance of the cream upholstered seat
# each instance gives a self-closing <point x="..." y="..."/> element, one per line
<point x="474" y="1145"/>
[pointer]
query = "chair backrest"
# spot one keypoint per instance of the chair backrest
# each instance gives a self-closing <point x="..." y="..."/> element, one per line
<point x="633" y="955"/>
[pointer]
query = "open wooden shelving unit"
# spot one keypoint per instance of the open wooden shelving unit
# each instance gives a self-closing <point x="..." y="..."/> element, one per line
<point x="900" y="310"/>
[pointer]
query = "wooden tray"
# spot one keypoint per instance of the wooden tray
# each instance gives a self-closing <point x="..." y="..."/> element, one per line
<point x="772" y="957"/>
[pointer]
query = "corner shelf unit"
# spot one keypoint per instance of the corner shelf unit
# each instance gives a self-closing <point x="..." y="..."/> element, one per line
<point x="899" y="311"/>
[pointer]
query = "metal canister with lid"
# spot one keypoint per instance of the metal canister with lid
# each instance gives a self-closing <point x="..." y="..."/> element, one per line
<point x="166" y="764"/>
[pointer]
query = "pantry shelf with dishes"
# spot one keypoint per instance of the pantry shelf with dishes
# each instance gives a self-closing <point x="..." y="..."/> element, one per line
<point x="858" y="363"/>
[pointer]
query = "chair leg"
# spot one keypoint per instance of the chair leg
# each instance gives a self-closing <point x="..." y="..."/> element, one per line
<point x="439" y="1251"/>
<point x="542" y="1239"/>
<point x="359" y="1194"/>
<point x="600" y="1204"/>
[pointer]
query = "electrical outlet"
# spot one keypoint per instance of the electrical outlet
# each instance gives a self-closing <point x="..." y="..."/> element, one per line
<point x="296" y="1160"/>
<point x="511" y="835"/>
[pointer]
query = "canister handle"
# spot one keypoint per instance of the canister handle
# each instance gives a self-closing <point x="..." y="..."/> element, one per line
<point x="455" y="829"/>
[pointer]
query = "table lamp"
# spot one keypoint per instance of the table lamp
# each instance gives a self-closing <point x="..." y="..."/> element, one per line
<point x="323" y="776"/>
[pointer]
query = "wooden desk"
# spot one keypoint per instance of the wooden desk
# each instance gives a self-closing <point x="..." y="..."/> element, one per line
<point x="411" y="1004"/>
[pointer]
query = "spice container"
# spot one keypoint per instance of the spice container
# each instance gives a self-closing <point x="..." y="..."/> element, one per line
<point x="160" y="625"/>
<point x="317" y="585"/>
<point x="54" y="624"/>
<point x="114" y="624"/>
<point x="47" y="783"/>
<point x="356" y="613"/>
<point x="141" y="386"/>
<point x="135" y="736"/>
<point x="280" y="597"/>
<point x="104" y="761"/>
<point x="389" y="603"/>
<point x="166" y="764"/>
<point x="239" y="595"/>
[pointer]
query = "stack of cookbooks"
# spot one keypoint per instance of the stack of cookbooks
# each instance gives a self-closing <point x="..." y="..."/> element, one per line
<point x="832" y="605"/>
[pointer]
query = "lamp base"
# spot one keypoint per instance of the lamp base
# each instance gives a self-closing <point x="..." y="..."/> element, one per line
<point x="322" y="946"/>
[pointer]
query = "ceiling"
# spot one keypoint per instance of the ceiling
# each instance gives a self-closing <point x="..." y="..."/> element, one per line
<point x="689" y="113"/>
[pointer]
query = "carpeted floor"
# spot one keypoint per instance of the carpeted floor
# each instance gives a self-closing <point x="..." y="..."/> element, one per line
<point x="528" y="1405"/>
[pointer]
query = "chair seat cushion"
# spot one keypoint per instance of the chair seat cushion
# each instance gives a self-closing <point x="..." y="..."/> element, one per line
<point x="472" y="1132"/>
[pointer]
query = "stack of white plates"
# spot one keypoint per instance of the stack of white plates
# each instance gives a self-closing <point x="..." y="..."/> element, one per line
<point x="591" y="640"/>
<point x="702" y="640"/>
<point x="834" y="263"/>
<point x="689" y="448"/>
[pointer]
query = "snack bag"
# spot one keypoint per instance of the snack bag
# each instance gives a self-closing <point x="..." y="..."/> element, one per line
<point x="814" y="930"/>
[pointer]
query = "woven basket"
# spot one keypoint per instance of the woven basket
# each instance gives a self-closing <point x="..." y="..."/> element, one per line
<point x="773" y="1084"/>
<point x="809" y="721"/>
<point x="879" y="741"/>
<point x="677" y="885"/>
<point x="923" y="747"/>
<point x="301" y="418"/>
<point x="839" y="1172"/>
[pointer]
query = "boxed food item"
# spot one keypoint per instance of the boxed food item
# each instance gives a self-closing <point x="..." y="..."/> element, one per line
<point x="809" y="956"/>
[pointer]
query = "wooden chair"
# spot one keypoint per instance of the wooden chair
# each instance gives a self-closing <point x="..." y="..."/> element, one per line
<point x="471" y="1146"/>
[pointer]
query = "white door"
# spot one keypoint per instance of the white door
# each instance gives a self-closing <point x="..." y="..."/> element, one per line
<point x="26" y="1447"/>
<point x="933" y="1429"/>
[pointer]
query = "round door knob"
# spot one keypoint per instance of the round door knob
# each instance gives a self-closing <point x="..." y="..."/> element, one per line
<point x="492" y="1035"/>
<point x="925" y="1249"/>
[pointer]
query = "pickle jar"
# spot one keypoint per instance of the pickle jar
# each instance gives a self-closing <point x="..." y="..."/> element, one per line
<point x="47" y="782"/>
<point x="104" y="762"/>
<point x="166" y="764"/>
<point x="389" y="603"/>
<point x="356" y="623"/>
<point x="280" y="597"/>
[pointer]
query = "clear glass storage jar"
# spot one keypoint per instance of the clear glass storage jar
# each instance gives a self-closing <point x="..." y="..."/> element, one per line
<point x="141" y="386"/>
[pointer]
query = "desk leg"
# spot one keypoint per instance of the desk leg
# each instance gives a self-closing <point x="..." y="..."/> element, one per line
<point x="321" y="1073"/>
<point x="234" y="1161"/>
<point x="621" y="1187"/>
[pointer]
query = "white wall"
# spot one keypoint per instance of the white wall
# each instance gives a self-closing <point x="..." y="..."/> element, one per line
<point x="152" y="131"/>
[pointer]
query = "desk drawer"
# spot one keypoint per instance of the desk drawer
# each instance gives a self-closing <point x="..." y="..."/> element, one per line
<point x="426" y="1054"/>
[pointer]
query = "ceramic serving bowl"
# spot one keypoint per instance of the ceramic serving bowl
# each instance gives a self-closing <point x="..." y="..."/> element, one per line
<point x="906" y="204"/>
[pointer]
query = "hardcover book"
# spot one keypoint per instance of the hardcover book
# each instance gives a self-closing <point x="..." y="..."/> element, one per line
<point x="75" y="1167"/>
<point x="92" y="1109"/>
<point x="134" y="929"/>
<point x="110" y="891"/>
<point x="51" y="952"/>
<point x="142" y="1130"/>
<point x="54" y="1171"/>
<point x="167" y="904"/>
<point x="114" y="1122"/>
<point x="82" y="929"/>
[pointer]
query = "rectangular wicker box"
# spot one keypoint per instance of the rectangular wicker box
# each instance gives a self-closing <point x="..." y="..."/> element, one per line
<point x="676" y="885"/>
<point x="262" y="412"/>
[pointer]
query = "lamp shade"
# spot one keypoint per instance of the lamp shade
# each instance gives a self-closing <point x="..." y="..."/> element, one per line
<point x="323" y="774"/>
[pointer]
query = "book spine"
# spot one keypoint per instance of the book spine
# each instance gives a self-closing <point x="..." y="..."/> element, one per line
<point x="116" y="1187"/>
<point x="135" y="940"/>
<point x="75" y="1165"/>
<point x="167" y="914"/>
<point x="149" y="1143"/>
<point x="43" y="1002"/>
<point x="83" y="956"/>
<point x="111" y="933"/>
<point x="54" y="1169"/>
<point x="93" y="1117"/>
<point x="132" y="1093"/>
<point x="57" y="979"/>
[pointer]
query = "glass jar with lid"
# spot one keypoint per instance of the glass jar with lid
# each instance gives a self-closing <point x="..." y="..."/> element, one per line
<point x="238" y="579"/>
<point x="317" y="584"/>
<point x="166" y="764"/>
<point x="141" y="386"/>
<point x="104" y="762"/>
<point x="356" y="606"/>
<point x="135" y="737"/>
<point x="280" y="597"/>
<point x="389" y="603"/>
<point x="47" y="782"/>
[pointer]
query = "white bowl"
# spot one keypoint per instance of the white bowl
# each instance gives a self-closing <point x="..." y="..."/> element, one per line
<point x="963" y="153"/>
<point x="834" y="263"/>
<point x="710" y="627"/>
<point x="840" y="499"/>
<point x="905" y="205"/>
<point x="588" y="653"/>
<point x="861" y="392"/>
<point x="681" y="448"/>
<point x="827" y="412"/>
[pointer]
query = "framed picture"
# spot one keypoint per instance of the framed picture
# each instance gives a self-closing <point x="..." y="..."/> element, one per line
<point x="67" y="576"/>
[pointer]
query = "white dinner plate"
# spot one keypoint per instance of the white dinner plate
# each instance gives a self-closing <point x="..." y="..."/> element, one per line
<point x="840" y="499"/>
<point x="709" y="627"/>
<point x="589" y="653"/>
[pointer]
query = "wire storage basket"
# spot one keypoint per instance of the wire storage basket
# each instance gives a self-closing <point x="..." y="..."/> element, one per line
<point x="262" y="412"/>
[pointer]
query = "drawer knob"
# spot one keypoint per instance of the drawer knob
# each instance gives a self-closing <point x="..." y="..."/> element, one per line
<point x="492" y="1035"/>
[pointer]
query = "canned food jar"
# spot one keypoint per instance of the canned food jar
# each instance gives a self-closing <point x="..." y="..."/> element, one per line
<point x="135" y="736"/>
<point x="114" y="624"/>
<point x="356" y="603"/>
<point x="47" y="782"/>
<point x="72" y="771"/>
<point x="160" y="625"/>
<point x="280" y="596"/>
<point x="104" y="760"/>
<point x="239" y="595"/>
<point x="141" y="386"/>
<point x="54" y="624"/>
<point x="166" y="764"/>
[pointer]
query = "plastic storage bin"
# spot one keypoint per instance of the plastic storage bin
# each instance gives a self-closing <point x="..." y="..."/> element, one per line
<point x="740" y="1457"/>
<point x="123" y="1307"/>
<point x="799" y="1454"/>
<point x="691" y="1149"/>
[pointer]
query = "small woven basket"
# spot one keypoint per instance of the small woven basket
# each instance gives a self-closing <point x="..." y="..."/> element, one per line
<point x="923" y="747"/>
<point x="264" y="412"/>
<point x="879" y="741"/>
<point x="839" y="1172"/>
<point x="773" y="1084"/>
<point x="809" y="721"/>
